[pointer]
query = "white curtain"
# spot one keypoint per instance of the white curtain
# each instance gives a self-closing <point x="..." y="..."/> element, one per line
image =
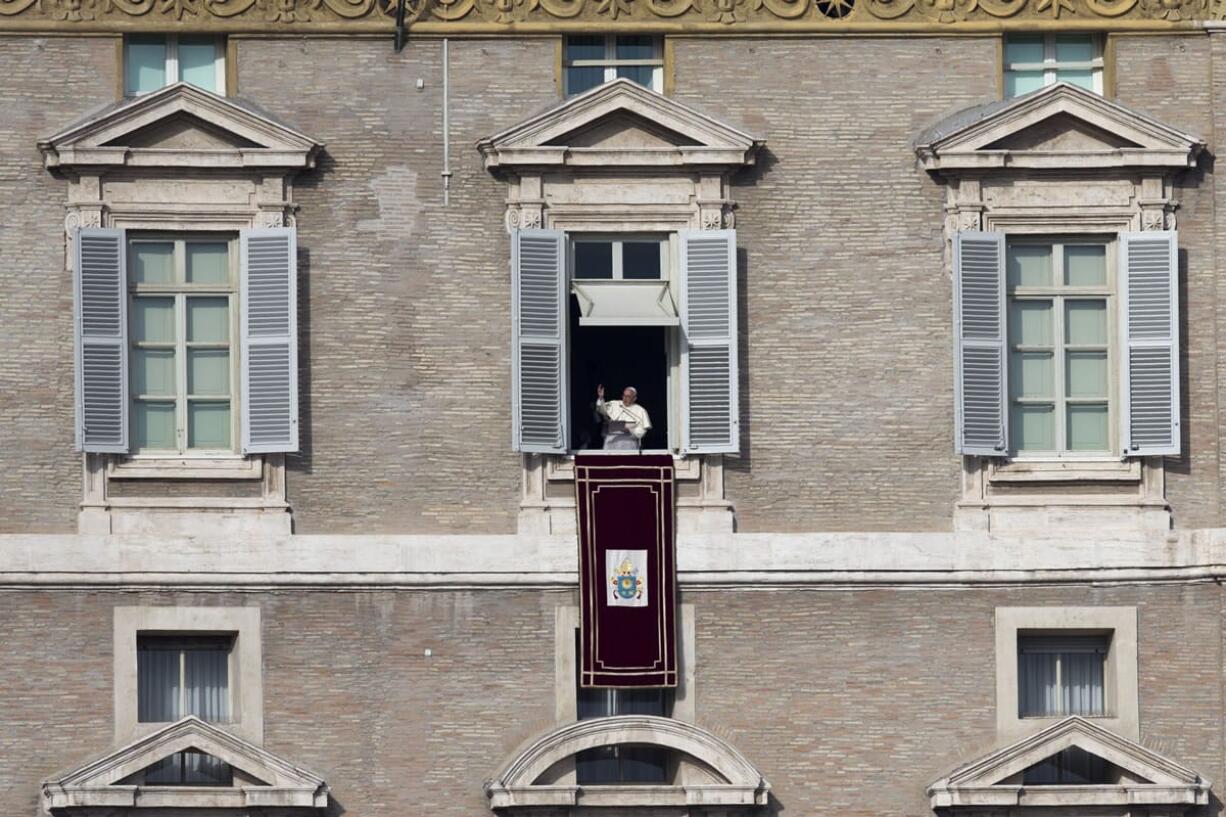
<point x="1038" y="695"/>
<point x="157" y="684"/>
<point x="1082" y="681"/>
<point x="208" y="684"/>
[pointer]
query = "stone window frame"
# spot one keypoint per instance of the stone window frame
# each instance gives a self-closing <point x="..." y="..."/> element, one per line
<point x="246" y="662"/>
<point x="1120" y="685"/>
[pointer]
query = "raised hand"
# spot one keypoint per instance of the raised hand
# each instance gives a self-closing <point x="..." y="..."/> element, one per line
<point x="600" y="391"/>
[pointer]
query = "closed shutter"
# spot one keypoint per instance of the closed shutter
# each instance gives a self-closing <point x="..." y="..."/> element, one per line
<point x="1149" y="328"/>
<point x="981" y="376"/>
<point x="709" y="347"/>
<point x="269" y="294"/>
<point x="101" y="341"/>
<point x="540" y="406"/>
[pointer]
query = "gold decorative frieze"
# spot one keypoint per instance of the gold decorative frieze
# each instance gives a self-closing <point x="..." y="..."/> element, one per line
<point x="545" y="16"/>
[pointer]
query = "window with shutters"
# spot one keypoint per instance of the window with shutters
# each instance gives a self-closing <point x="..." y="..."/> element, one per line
<point x="182" y="339"/>
<point x="1060" y="307"/>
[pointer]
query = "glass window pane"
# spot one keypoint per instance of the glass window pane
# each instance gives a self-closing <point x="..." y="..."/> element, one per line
<point x="157" y="685"/>
<point x="1022" y="82"/>
<point x="1074" y="47"/>
<point x="208" y="372"/>
<point x="153" y="320"/>
<point x="1087" y="428"/>
<point x="1023" y="48"/>
<point x="593" y="259"/>
<point x="639" y="702"/>
<point x="583" y="79"/>
<point x="152" y="262"/>
<point x="641" y="260"/>
<point x="1086" y="374"/>
<point x="642" y="74"/>
<point x="596" y="766"/>
<point x="1037" y="695"/>
<point x="1085" y="265"/>
<point x="198" y="62"/>
<point x="1085" y="323"/>
<point x="208" y="424"/>
<point x="585" y="47"/>
<point x="1032" y="375"/>
<point x="207" y="684"/>
<point x="208" y="263"/>
<point x="1033" y="427"/>
<point x="1030" y="323"/>
<point x="153" y="426"/>
<point x="144" y="64"/>
<point x="153" y="372"/>
<point x="642" y="764"/>
<point x="200" y="769"/>
<point x="208" y="320"/>
<point x="1081" y="681"/>
<point x="594" y="702"/>
<point x="1029" y="265"/>
<point x="1081" y="77"/>
<point x="636" y="47"/>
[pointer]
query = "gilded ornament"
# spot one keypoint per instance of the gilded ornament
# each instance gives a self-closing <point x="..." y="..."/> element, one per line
<point x="1056" y="7"/>
<point x="783" y="9"/>
<point x="451" y="10"/>
<point x="9" y="7"/>
<point x="610" y="7"/>
<point x="1110" y="9"/>
<point x="669" y="8"/>
<point x="1002" y="8"/>
<point x="889" y="9"/>
<point x="1173" y="10"/>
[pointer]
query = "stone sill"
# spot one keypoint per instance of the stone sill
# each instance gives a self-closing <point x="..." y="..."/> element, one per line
<point x="152" y="467"/>
<point x="1065" y="471"/>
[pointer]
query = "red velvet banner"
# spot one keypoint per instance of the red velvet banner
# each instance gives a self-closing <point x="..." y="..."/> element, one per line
<point x="627" y="570"/>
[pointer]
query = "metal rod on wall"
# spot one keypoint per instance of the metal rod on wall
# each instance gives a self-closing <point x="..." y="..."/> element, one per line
<point x="446" y="123"/>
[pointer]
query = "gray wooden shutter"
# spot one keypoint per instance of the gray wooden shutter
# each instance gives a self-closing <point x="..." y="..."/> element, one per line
<point x="540" y="405"/>
<point x="101" y="318"/>
<point x="981" y="363"/>
<point x="709" y="421"/>
<point x="1149" y="330"/>
<point x="268" y="270"/>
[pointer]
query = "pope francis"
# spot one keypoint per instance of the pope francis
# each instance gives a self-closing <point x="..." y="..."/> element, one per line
<point x="625" y="421"/>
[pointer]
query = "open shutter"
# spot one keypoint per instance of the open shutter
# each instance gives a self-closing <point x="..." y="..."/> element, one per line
<point x="101" y="341"/>
<point x="269" y="293"/>
<point x="538" y="380"/>
<point x="1149" y="332"/>
<point x="708" y="349"/>
<point x="981" y="376"/>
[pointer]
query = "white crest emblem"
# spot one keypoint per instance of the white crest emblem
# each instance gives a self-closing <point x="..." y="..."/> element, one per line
<point x="627" y="572"/>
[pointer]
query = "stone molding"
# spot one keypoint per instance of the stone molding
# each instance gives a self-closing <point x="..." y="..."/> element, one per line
<point x="277" y="784"/>
<point x="551" y="16"/>
<point x="517" y="790"/>
<point x="992" y="784"/>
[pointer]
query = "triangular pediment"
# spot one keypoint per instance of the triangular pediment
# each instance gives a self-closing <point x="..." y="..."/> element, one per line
<point x="111" y="776"/>
<point x="1133" y="770"/>
<point x="1062" y="126"/>
<point x="620" y="124"/>
<point x="180" y="125"/>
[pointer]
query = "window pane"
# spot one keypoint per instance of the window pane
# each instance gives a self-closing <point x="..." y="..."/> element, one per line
<point x="1074" y="47"/>
<point x="200" y="769"/>
<point x="208" y="372"/>
<point x="1030" y="323"/>
<point x="157" y="685"/>
<point x="641" y="260"/>
<point x="1032" y="375"/>
<point x="594" y="702"/>
<point x="639" y="702"/>
<point x="585" y="47"/>
<point x="593" y="259"/>
<point x="152" y="262"/>
<point x="1082" y="77"/>
<point x="1029" y="265"/>
<point x="208" y="263"/>
<point x="1085" y="323"/>
<point x="1085" y="265"/>
<point x="208" y="424"/>
<point x="1087" y="427"/>
<point x="637" y="47"/>
<point x="153" y="372"/>
<point x="153" y="320"/>
<point x="207" y="681"/>
<point x="1086" y="374"/>
<point x="642" y="74"/>
<point x="153" y="426"/>
<point x="1081" y="676"/>
<point x="197" y="62"/>
<point x="166" y="772"/>
<point x="1022" y="82"/>
<point x="1023" y="48"/>
<point x="1073" y="766"/>
<point x="208" y="320"/>
<point x="642" y="764"/>
<point x="1033" y="427"/>
<point x="596" y="766"/>
<point x="144" y="64"/>
<point x="583" y="79"/>
<point x="1037" y="695"/>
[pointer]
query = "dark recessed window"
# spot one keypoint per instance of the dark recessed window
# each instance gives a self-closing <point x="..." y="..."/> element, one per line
<point x="1061" y="675"/>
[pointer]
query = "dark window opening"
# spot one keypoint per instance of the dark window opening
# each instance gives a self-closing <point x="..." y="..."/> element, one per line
<point x="178" y="676"/>
<point x="617" y="356"/>
<point x="1071" y="767"/>
<point x="1062" y="675"/>
<point x="189" y="768"/>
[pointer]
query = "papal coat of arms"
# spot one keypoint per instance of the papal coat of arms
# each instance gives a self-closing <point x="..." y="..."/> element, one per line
<point x="627" y="572"/>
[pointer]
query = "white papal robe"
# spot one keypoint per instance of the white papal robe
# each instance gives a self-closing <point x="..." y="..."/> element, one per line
<point x="624" y="426"/>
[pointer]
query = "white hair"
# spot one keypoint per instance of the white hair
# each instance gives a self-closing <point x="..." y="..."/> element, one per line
<point x="633" y="389"/>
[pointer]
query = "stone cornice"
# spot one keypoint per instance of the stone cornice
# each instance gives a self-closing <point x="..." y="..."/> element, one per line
<point x="555" y="16"/>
